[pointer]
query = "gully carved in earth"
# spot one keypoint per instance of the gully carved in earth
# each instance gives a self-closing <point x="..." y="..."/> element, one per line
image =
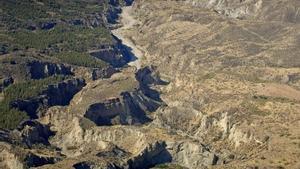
<point x="128" y="22"/>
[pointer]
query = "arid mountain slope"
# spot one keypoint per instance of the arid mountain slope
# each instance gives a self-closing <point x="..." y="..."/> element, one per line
<point x="234" y="83"/>
<point x="191" y="84"/>
<point x="268" y="10"/>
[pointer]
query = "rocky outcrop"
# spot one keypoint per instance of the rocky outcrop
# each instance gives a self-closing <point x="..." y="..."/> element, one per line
<point x="220" y="126"/>
<point x="5" y="83"/>
<point x="33" y="160"/>
<point x="47" y="25"/>
<point x="149" y="76"/>
<point x="131" y="108"/>
<point x="32" y="132"/>
<point x="42" y="25"/>
<point x="57" y="94"/>
<point x="114" y="152"/>
<point x="286" y="11"/>
<point x="84" y="165"/>
<point x="131" y="105"/>
<point x="89" y="20"/>
<point x="3" y="48"/>
<point x="187" y="154"/>
<point x="4" y="136"/>
<point x="191" y="154"/>
<point x="18" y="157"/>
<point x="114" y="55"/>
<point x="120" y="2"/>
<point x="39" y="70"/>
<point x="103" y="73"/>
<point x="94" y="20"/>
<point x="93" y="165"/>
<point x="27" y="134"/>
<point x="113" y="11"/>
<point x="62" y="93"/>
<point x="232" y="8"/>
<point x="152" y="155"/>
<point x="109" y="17"/>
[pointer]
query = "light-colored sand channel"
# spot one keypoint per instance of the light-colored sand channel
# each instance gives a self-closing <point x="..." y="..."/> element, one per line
<point x="128" y="22"/>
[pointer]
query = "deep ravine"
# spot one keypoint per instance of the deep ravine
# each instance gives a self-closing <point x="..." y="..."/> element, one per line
<point x="128" y="22"/>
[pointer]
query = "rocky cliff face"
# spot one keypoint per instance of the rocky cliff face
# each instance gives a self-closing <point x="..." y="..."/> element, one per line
<point x="16" y="157"/>
<point x="58" y="94"/>
<point x="90" y="136"/>
<point x="40" y="70"/>
<point x="114" y="55"/>
<point x="32" y="132"/>
<point x="32" y="160"/>
<point x="152" y="155"/>
<point x="130" y="108"/>
<point x="103" y="73"/>
<point x="192" y="155"/>
<point x="114" y="10"/>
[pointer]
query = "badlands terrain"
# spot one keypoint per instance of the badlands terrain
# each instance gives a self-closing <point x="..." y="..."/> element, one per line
<point x="173" y="84"/>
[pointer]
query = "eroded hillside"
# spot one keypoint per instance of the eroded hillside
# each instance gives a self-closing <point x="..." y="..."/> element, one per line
<point x="164" y="84"/>
<point x="234" y="81"/>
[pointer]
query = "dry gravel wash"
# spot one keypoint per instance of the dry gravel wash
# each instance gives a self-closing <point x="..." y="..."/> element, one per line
<point x="128" y="21"/>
